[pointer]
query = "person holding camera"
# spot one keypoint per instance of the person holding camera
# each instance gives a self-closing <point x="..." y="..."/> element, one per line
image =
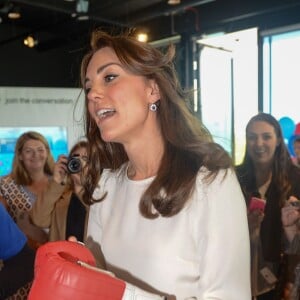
<point x="60" y="207"/>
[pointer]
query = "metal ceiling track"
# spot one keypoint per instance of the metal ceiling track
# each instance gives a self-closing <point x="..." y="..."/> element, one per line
<point x="169" y="10"/>
<point x="68" y="11"/>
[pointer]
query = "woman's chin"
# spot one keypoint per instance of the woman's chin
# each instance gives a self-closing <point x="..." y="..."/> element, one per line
<point x="106" y="137"/>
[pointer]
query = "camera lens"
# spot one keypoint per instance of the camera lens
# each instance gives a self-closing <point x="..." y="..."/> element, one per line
<point x="74" y="164"/>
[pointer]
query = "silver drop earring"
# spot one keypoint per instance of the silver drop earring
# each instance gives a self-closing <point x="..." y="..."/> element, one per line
<point x="153" y="107"/>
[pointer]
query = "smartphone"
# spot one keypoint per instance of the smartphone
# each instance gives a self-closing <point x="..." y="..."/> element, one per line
<point x="257" y="204"/>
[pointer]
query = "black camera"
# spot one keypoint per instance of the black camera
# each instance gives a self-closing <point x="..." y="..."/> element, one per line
<point x="74" y="164"/>
<point x="295" y="204"/>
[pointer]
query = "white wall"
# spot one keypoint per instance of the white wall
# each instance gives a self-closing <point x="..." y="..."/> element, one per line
<point x="38" y="107"/>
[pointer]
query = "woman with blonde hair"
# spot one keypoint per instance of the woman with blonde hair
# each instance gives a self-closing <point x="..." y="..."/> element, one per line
<point x="31" y="171"/>
<point x="32" y="168"/>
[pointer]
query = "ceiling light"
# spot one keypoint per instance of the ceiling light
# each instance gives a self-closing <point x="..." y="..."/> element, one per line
<point x="83" y="18"/>
<point x="174" y="2"/>
<point x="142" y="37"/>
<point x="30" y="41"/>
<point x="14" y="13"/>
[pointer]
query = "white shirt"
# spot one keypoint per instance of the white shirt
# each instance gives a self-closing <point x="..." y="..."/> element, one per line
<point x="201" y="252"/>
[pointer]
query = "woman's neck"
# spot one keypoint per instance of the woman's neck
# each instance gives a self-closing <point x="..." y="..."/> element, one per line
<point x="38" y="176"/>
<point x="39" y="183"/>
<point x="263" y="179"/>
<point x="263" y="176"/>
<point x="145" y="157"/>
<point x="263" y="172"/>
<point x="144" y="165"/>
<point x="136" y="172"/>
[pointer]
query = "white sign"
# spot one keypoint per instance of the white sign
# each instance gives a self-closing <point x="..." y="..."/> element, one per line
<point x="43" y="107"/>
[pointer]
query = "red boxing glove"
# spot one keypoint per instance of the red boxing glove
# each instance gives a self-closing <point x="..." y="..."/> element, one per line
<point x="58" y="274"/>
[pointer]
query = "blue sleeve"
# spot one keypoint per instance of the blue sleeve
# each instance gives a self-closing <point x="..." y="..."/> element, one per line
<point x="12" y="239"/>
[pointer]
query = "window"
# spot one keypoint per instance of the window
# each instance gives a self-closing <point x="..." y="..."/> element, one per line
<point x="228" y="69"/>
<point x="281" y="66"/>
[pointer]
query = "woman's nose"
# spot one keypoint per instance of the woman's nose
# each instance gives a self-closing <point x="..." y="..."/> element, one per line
<point x="95" y="94"/>
<point x="259" y="141"/>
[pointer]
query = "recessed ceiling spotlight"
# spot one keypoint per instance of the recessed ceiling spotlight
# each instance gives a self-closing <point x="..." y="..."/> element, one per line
<point x="14" y="13"/>
<point x="174" y="2"/>
<point x="83" y="18"/>
<point x="142" y="37"/>
<point x="30" y="41"/>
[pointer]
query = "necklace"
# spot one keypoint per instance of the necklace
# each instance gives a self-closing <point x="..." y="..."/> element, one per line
<point x="132" y="174"/>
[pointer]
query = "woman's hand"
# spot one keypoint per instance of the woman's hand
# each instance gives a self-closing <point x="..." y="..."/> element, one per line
<point x="60" y="169"/>
<point x="290" y="216"/>
<point x="72" y="238"/>
<point x="290" y="212"/>
<point x="255" y="218"/>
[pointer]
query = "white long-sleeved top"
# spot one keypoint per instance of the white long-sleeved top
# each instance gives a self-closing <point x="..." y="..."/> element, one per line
<point x="201" y="252"/>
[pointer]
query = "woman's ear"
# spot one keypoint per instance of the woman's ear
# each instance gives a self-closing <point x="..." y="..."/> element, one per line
<point x="155" y="92"/>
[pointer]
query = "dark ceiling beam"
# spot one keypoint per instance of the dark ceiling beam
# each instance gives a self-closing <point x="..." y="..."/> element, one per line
<point x="279" y="8"/>
<point x="69" y="11"/>
<point x="168" y="10"/>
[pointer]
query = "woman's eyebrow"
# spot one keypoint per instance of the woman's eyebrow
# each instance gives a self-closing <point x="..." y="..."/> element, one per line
<point x="103" y="67"/>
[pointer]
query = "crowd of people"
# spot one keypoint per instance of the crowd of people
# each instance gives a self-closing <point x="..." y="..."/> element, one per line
<point x="162" y="207"/>
<point x="60" y="208"/>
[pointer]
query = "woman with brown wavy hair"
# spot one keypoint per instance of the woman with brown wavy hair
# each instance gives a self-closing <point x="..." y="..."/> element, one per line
<point x="167" y="208"/>
<point x="268" y="173"/>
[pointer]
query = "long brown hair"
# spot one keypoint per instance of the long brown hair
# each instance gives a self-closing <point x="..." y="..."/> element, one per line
<point x="281" y="167"/>
<point x="188" y="144"/>
<point x="284" y="183"/>
<point x="19" y="172"/>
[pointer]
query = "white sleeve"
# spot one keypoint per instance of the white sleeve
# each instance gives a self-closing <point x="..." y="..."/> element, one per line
<point x="226" y="257"/>
<point x="94" y="233"/>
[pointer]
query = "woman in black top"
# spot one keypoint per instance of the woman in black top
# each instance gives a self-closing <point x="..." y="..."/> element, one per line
<point x="267" y="172"/>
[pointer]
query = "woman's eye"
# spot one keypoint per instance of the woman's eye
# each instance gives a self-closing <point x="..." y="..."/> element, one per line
<point x="251" y="138"/>
<point x="267" y="137"/>
<point x="110" y="77"/>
